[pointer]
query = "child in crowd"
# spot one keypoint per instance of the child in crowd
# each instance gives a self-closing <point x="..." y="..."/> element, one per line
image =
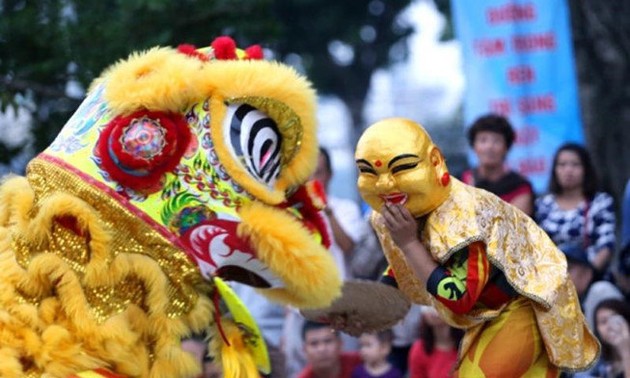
<point x="374" y="349"/>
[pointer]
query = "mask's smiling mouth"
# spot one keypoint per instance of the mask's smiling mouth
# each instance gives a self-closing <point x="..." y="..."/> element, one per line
<point x="394" y="198"/>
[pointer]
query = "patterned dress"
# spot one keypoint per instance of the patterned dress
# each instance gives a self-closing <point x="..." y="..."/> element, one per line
<point x="589" y="227"/>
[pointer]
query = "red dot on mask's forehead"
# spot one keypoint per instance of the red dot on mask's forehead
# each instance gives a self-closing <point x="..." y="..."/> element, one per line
<point x="378" y="163"/>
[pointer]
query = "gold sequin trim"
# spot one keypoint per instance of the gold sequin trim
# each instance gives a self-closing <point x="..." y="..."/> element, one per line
<point x="131" y="236"/>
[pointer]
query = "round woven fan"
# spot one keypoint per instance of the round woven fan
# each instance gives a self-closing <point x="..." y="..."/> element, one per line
<point x="364" y="306"/>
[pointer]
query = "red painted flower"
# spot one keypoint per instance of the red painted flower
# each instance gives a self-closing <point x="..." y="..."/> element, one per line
<point x="138" y="149"/>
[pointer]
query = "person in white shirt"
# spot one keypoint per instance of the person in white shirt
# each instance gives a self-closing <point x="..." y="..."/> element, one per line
<point x="347" y="226"/>
<point x="347" y="229"/>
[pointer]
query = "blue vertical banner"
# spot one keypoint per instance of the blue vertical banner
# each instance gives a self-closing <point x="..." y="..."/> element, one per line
<point x="518" y="61"/>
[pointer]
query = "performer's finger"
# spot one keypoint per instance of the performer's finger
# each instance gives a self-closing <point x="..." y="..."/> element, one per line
<point x="387" y="217"/>
<point x="399" y="211"/>
<point x="407" y="213"/>
<point x="394" y="211"/>
<point x="390" y="220"/>
<point x="386" y="210"/>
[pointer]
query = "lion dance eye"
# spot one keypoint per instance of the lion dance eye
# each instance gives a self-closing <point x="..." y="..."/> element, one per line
<point x="137" y="150"/>
<point x="255" y="140"/>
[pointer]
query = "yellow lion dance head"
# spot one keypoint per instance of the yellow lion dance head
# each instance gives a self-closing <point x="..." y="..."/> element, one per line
<point x="182" y="168"/>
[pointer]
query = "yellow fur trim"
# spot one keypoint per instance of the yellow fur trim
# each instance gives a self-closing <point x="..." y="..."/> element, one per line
<point x="88" y="374"/>
<point x="49" y="308"/>
<point x="159" y="79"/>
<point x="16" y="197"/>
<point x="129" y="236"/>
<point x="255" y="344"/>
<point x="62" y="204"/>
<point x="197" y="319"/>
<point x="236" y="360"/>
<point x="290" y="251"/>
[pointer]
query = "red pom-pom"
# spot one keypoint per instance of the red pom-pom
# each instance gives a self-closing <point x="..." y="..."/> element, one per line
<point x="224" y="48"/>
<point x="254" y="52"/>
<point x="191" y="50"/>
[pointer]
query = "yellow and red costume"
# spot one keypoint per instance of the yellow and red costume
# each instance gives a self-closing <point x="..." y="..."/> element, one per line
<point x="181" y="169"/>
<point x="499" y="276"/>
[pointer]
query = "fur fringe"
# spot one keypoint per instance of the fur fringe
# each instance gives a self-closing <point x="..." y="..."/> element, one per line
<point x="236" y="360"/>
<point x="286" y="246"/>
<point x="47" y="325"/>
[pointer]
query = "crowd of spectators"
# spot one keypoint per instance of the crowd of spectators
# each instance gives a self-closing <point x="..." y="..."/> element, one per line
<point x="578" y="216"/>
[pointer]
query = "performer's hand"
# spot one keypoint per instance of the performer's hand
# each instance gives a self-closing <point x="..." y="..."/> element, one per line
<point x="401" y="224"/>
<point x="403" y="229"/>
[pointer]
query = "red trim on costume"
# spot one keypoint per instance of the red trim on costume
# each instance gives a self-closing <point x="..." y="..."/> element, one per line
<point x="70" y="222"/>
<point x="493" y="296"/>
<point x="309" y="199"/>
<point x="108" y="374"/>
<point x="389" y="272"/>
<point x="217" y="316"/>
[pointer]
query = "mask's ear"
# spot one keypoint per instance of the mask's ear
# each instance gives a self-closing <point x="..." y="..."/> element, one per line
<point x="435" y="155"/>
<point x="439" y="163"/>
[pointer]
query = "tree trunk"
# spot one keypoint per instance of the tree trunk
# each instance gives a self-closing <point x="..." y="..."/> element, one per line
<point x="601" y="33"/>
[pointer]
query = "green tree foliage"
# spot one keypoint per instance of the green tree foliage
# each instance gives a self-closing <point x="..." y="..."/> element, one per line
<point x="601" y="44"/>
<point x="44" y="44"/>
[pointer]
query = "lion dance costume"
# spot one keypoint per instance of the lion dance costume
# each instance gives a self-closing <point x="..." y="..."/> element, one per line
<point x="498" y="275"/>
<point x="181" y="169"/>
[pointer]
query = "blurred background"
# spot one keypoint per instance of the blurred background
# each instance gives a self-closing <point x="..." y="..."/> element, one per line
<point x="367" y="59"/>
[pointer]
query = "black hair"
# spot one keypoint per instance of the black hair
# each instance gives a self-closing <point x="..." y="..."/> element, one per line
<point x="324" y="152"/>
<point x="310" y="325"/>
<point x="619" y="306"/>
<point x="589" y="181"/>
<point x="384" y="337"/>
<point x="495" y="123"/>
